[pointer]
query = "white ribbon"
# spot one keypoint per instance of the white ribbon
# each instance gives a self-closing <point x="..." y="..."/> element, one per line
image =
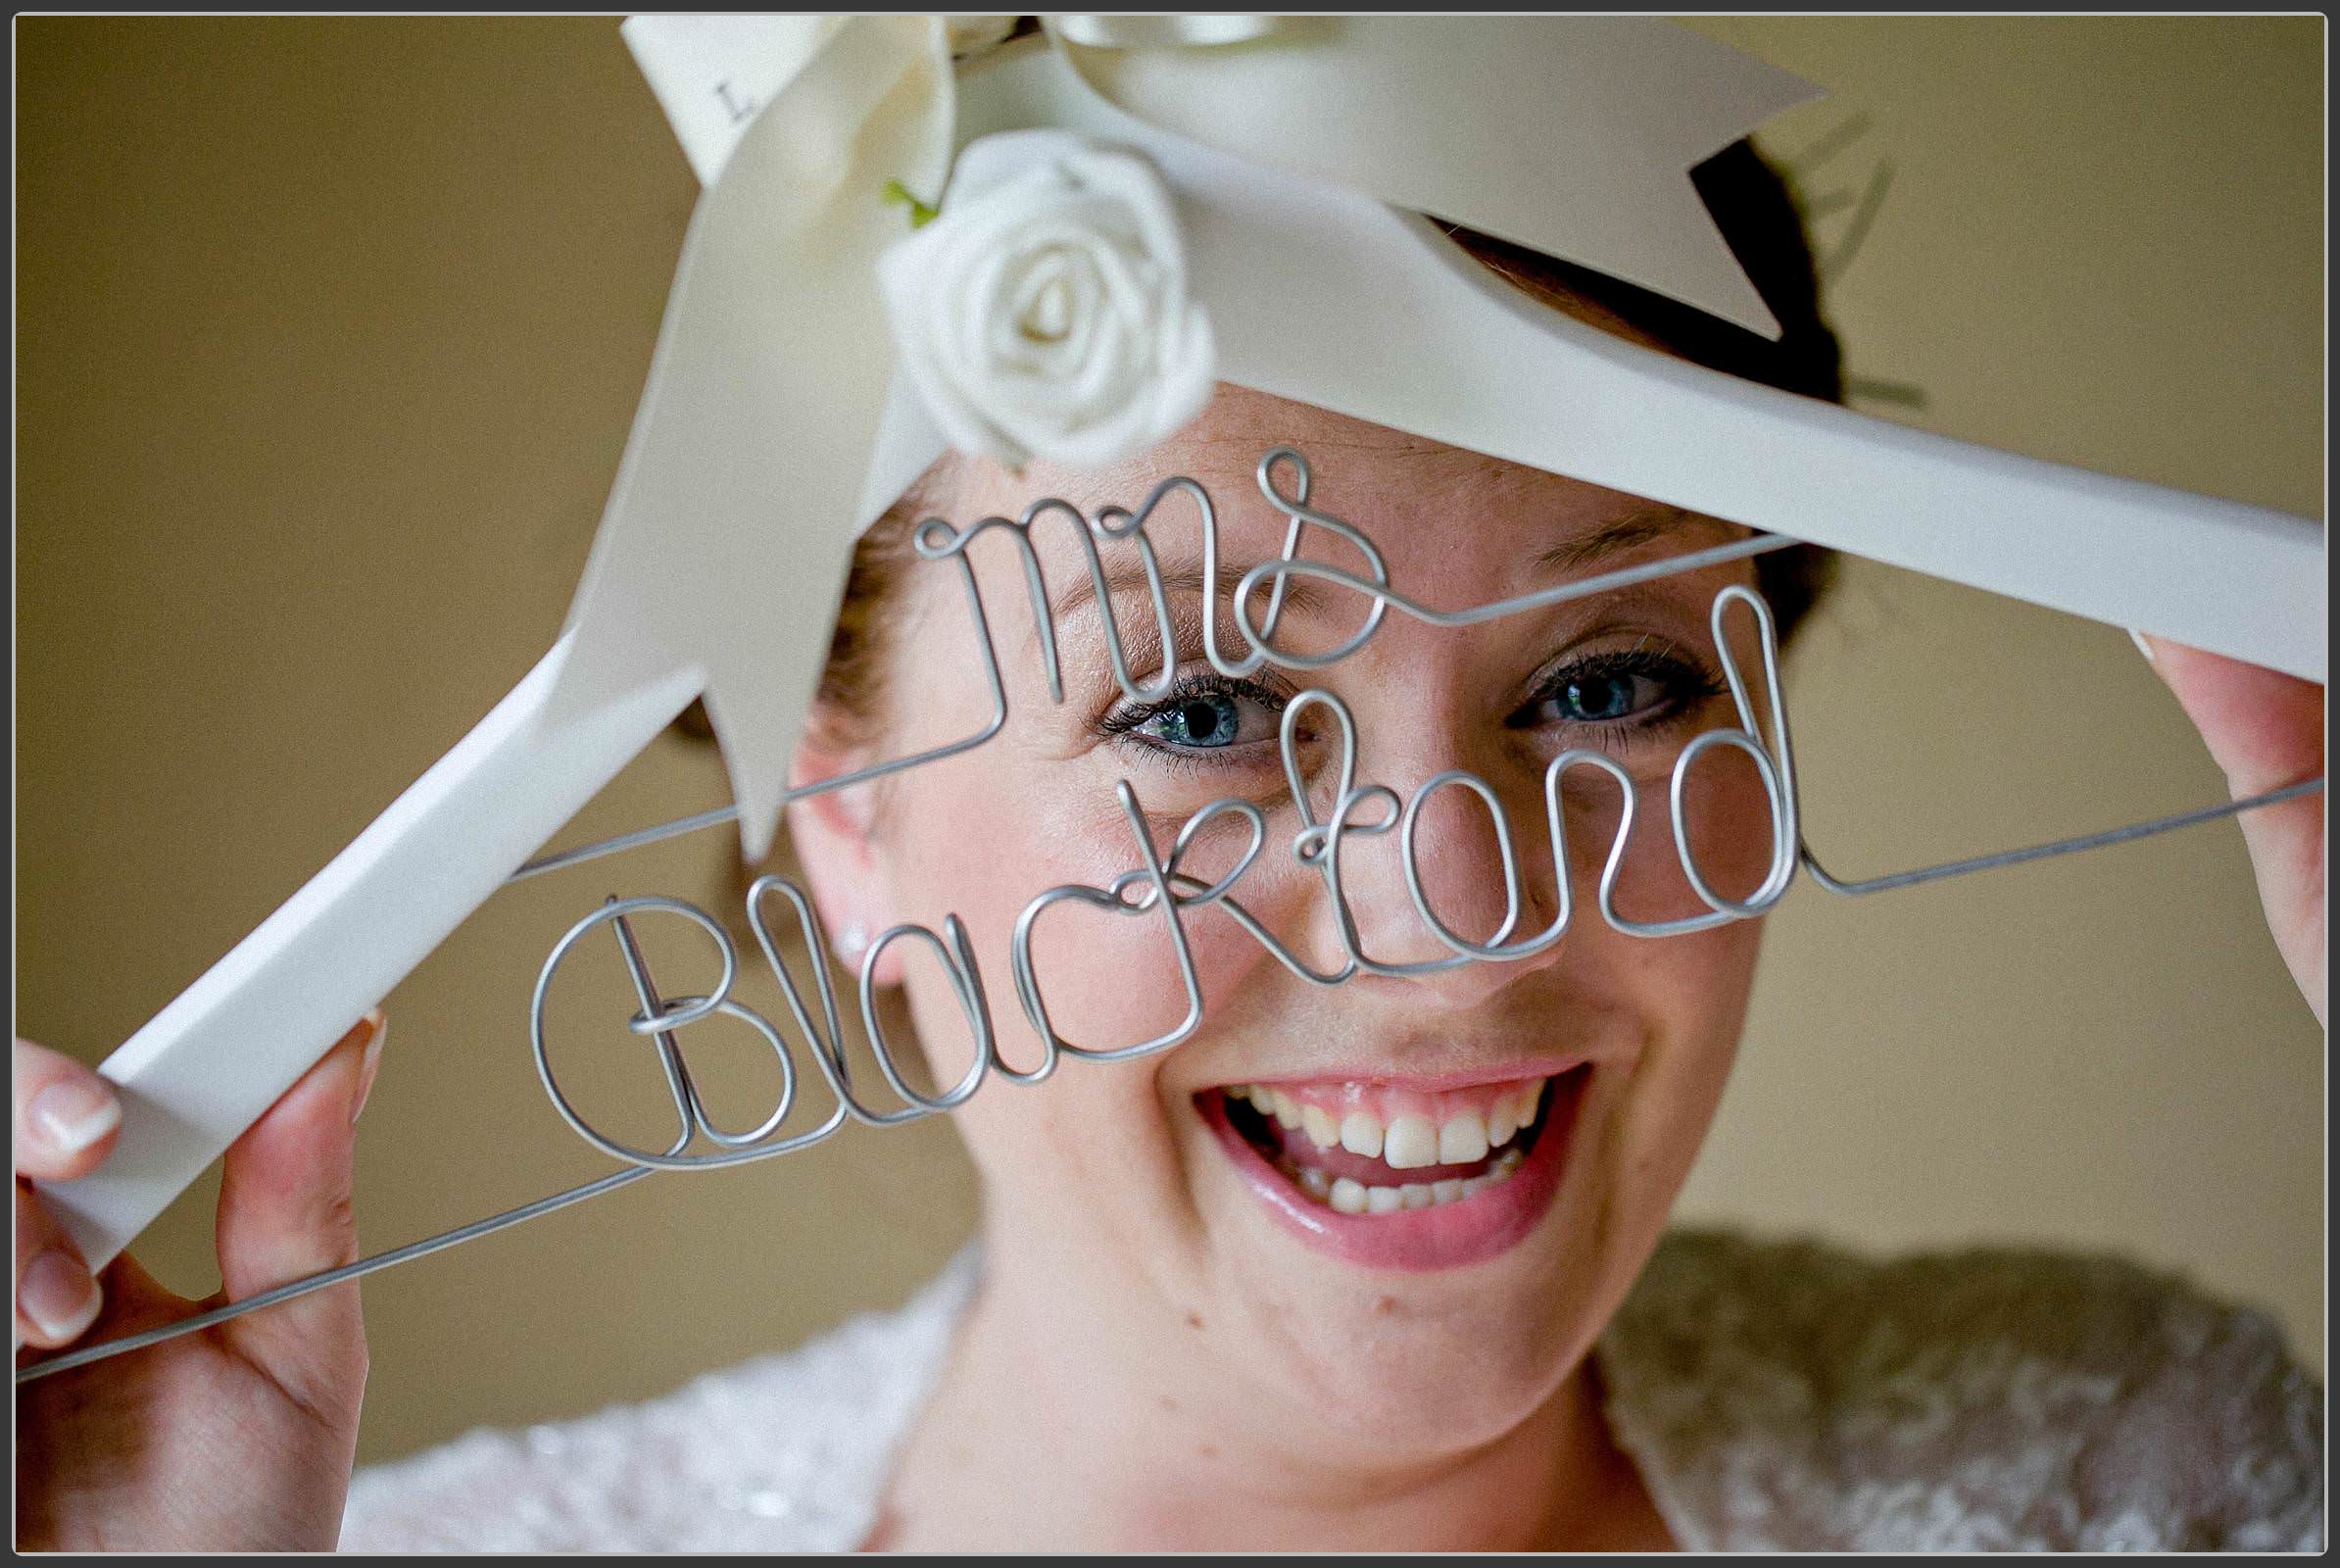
<point x="745" y="465"/>
<point x="1571" y="136"/>
<point x="1113" y="30"/>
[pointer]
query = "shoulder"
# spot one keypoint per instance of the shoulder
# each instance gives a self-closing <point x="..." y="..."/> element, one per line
<point x="1793" y="1393"/>
<point x="784" y="1453"/>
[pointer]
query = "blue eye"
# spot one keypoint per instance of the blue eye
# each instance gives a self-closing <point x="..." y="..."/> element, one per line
<point x="1604" y="699"/>
<point x="1619" y="690"/>
<point x="1202" y="713"/>
<point x="1210" y="719"/>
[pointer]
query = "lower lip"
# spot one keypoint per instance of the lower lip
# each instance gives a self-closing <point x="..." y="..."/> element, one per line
<point x="1470" y="1230"/>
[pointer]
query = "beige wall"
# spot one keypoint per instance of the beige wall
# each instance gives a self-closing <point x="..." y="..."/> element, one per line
<point x="329" y="334"/>
<point x="2101" y="243"/>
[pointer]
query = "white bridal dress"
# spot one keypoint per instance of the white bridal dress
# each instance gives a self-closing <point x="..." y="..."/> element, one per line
<point x="1775" y="1395"/>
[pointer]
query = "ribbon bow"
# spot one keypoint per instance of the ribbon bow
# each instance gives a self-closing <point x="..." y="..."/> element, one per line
<point x="1462" y="121"/>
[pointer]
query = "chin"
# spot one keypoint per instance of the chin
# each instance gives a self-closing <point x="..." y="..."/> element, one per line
<point x="1415" y="1389"/>
<point x="1415" y="1365"/>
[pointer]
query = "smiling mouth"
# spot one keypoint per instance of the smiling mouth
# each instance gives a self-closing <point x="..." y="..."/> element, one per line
<point x="1364" y="1149"/>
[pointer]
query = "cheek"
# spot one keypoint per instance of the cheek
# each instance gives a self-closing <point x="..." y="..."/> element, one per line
<point x="985" y="843"/>
<point x="1691" y="997"/>
<point x="1727" y="821"/>
<point x="1106" y="980"/>
<point x="1731" y="819"/>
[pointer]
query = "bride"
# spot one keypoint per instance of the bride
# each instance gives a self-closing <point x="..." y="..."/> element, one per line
<point x="1375" y="1266"/>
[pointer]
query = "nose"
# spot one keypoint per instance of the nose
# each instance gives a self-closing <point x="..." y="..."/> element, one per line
<point x="1480" y="866"/>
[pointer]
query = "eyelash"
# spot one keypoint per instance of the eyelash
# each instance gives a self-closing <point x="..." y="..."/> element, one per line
<point x="1123" y="723"/>
<point x="1682" y="682"/>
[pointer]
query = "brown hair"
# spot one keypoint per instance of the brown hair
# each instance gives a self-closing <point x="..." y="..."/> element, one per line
<point x="1757" y="214"/>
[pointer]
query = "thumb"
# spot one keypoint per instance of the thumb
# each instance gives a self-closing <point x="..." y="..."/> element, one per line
<point x="285" y="1211"/>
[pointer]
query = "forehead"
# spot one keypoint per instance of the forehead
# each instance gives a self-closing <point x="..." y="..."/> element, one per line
<point x="1445" y="517"/>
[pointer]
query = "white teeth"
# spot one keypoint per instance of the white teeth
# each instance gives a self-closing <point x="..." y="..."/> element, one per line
<point x="1350" y="1197"/>
<point x="1412" y="1142"/>
<point x="1318" y="1123"/>
<point x="1462" y="1139"/>
<point x="1408" y="1142"/>
<point x="1512" y="1116"/>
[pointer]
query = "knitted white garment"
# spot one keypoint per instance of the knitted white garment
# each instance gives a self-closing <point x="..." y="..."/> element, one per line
<point x="1776" y="1394"/>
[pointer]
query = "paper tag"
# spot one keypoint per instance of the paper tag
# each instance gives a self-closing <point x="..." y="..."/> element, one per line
<point x="713" y="75"/>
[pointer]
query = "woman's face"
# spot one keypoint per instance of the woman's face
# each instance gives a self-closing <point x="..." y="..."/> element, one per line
<point x="1208" y="1193"/>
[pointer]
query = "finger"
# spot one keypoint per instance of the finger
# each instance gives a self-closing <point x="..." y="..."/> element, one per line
<point x="285" y="1212"/>
<point x="134" y="1302"/>
<point x="2265" y="729"/>
<point x="65" y="1115"/>
<point x="56" y="1299"/>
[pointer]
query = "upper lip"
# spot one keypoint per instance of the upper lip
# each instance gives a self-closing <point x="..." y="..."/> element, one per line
<point x="1514" y="1070"/>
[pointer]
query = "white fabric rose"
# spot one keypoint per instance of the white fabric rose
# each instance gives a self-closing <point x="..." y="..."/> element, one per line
<point x="1044" y="312"/>
<point x="975" y="35"/>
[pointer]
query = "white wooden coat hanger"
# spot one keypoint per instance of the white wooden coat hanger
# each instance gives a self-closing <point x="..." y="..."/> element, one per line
<point x="1302" y="155"/>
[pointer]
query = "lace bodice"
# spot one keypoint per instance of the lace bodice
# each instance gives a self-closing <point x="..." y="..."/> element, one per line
<point x="1774" y="1393"/>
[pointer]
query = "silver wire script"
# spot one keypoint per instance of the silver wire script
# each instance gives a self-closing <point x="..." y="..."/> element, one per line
<point x="1155" y="887"/>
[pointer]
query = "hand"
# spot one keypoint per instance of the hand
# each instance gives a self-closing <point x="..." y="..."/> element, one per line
<point x="239" y="1436"/>
<point x="2266" y="731"/>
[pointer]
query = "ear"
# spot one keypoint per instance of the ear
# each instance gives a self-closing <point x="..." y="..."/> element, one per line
<point x="846" y="872"/>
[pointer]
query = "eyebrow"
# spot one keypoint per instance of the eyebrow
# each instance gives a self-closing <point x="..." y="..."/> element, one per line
<point x="1653" y="522"/>
<point x="1307" y="595"/>
<point x="1179" y="577"/>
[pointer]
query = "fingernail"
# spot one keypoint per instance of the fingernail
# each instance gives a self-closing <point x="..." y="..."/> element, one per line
<point x="76" y="1113"/>
<point x="58" y="1295"/>
<point x="370" y="1063"/>
<point x="2143" y="647"/>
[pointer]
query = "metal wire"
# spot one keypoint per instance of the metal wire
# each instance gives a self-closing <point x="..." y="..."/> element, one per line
<point x="2041" y="852"/>
<point x="1156" y="887"/>
<point x="66" y="1360"/>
